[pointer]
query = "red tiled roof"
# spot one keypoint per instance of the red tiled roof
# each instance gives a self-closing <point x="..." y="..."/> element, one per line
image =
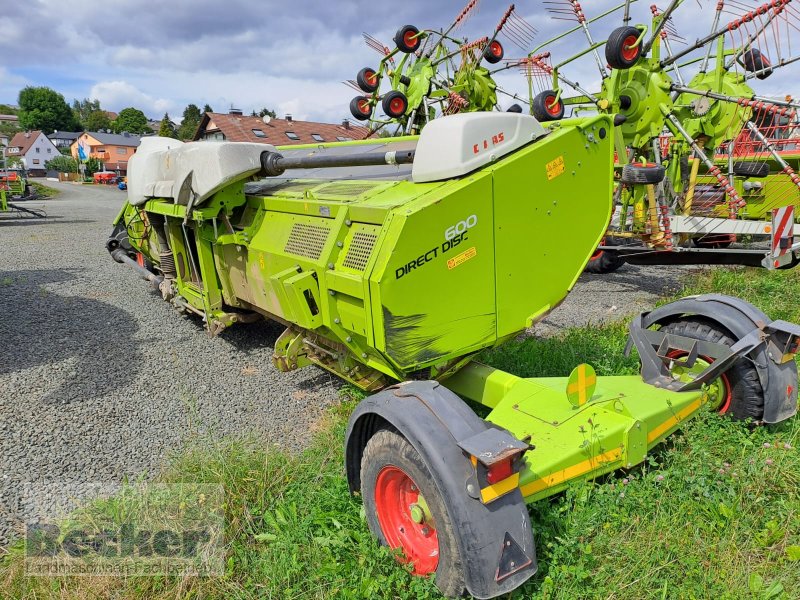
<point x="239" y="128"/>
<point x="24" y="140"/>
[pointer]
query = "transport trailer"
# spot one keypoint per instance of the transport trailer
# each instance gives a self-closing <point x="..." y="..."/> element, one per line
<point x="393" y="263"/>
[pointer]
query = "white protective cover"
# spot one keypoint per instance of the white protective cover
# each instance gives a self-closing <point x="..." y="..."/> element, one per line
<point x="167" y="168"/>
<point x="456" y="145"/>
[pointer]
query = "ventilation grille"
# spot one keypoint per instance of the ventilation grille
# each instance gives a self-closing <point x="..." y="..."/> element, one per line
<point x="346" y="189"/>
<point x="307" y="240"/>
<point x="359" y="250"/>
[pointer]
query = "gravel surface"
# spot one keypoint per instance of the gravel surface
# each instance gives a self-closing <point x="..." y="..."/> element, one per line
<point x="100" y="379"/>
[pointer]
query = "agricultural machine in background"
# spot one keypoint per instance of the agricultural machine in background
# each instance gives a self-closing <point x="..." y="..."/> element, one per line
<point x="676" y="199"/>
<point x="393" y="263"/>
<point x="14" y="187"/>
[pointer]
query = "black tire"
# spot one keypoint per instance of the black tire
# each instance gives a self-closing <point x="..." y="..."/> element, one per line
<point x="755" y="62"/>
<point x="367" y="80"/>
<point x="514" y="108"/>
<point x="395" y="104"/>
<point x="360" y="108"/>
<point x="746" y="394"/>
<point x="603" y="262"/>
<point x="494" y="53"/>
<point x="388" y="448"/>
<point x="407" y="39"/>
<point x="638" y="174"/>
<point x="544" y="108"/>
<point x="619" y="53"/>
<point x="751" y="169"/>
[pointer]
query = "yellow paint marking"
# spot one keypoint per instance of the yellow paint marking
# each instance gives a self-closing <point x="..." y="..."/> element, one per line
<point x="493" y="492"/>
<point x="660" y="430"/>
<point x="462" y="258"/>
<point x="572" y="472"/>
<point x="555" y="168"/>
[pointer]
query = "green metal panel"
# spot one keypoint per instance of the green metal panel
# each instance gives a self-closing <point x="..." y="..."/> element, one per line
<point x="553" y="203"/>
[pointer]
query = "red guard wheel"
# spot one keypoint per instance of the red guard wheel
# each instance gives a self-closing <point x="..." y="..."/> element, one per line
<point x="395" y="104"/>
<point x="494" y="52"/>
<point x="622" y="51"/>
<point x="405" y="510"/>
<point x="407" y="39"/>
<point x="547" y="106"/>
<point x="367" y="80"/>
<point x="360" y="108"/>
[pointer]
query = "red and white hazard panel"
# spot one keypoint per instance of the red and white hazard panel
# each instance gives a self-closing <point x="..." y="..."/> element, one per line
<point x="782" y="230"/>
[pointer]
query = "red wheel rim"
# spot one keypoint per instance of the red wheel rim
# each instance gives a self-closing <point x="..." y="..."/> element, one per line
<point x="410" y="39"/>
<point x="370" y="77"/>
<point x="496" y="48"/>
<point x="363" y="106"/>
<point x="725" y="403"/>
<point x="597" y="254"/>
<point x="395" y="494"/>
<point x="397" y="106"/>
<point x="630" y="51"/>
<point x="551" y="106"/>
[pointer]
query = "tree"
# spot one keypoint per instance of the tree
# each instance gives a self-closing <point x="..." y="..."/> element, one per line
<point x="265" y="112"/>
<point x="191" y="119"/>
<point x="167" y="127"/>
<point x="84" y="108"/>
<point x="131" y="120"/>
<point x="93" y="165"/>
<point x="6" y="109"/>
<point x="45" y="109"/>
<point x="207" y="108"/>
<point x="62" y="164"/>
<point x="97" y="120"/>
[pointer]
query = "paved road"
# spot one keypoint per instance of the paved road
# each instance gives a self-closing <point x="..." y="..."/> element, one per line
<point x="100" y="379"/>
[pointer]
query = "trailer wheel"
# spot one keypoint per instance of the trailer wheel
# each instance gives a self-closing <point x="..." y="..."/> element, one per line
<point x="395" y="104"/>
<point x="750" y="169"/>
<point x="494" y="53"/>
<point x="755" y="62"/>
<point x="360" y="108"/>
<point x="407" y="39"/>
<point x="405" y="510"/>
<point x="547" y="106"/>
<point x="367" y="80"/>
<point x="621" y="51"/>
<point x="604" y="261"/>
<point x="737" y="392"/>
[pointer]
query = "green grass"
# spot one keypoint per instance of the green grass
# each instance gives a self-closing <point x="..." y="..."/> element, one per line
<point x="44" y="191"/>
<point x="715" y="513"/>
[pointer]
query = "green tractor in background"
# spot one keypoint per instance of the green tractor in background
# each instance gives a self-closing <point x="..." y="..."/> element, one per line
<point x="393" y="263"/>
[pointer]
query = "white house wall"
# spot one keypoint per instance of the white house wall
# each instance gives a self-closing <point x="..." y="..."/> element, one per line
<point x="42" y="150"/>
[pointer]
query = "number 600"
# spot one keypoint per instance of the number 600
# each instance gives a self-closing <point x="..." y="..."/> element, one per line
<point x="460" y="227"/>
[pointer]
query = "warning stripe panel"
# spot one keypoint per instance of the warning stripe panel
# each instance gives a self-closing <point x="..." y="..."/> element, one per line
<point x="783" y="228"/>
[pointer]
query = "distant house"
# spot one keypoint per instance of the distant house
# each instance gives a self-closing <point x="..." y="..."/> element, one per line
<point x="236" y="127"/>
<point x="64" y="139"/>
<point x="14" y="119"/>
<point x="34" y="150"/>
<point x="112" y="149"/>
<point x="4" y="139"/>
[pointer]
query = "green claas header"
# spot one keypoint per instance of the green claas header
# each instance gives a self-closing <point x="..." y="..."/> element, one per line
<point x="393" y="263"/>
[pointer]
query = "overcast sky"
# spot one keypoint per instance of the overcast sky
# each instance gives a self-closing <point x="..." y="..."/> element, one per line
<point x="159" y="55"/>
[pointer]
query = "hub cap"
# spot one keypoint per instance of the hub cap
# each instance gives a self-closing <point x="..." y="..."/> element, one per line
<point x="719" y="391"/>
<point x="405" y="520"/>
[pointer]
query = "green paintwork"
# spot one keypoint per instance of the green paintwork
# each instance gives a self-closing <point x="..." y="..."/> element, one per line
<point x="374" y="289"/>
<point x="623" y="420"/>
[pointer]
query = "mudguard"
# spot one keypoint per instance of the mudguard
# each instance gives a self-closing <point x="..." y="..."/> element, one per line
<point x="435" y="420"/>
<point x="778" y="376"/>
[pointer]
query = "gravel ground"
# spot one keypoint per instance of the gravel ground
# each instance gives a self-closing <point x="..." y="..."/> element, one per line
<point x="99" y="379"/>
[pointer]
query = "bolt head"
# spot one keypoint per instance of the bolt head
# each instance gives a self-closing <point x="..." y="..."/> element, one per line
<point x="336" y="320"/>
